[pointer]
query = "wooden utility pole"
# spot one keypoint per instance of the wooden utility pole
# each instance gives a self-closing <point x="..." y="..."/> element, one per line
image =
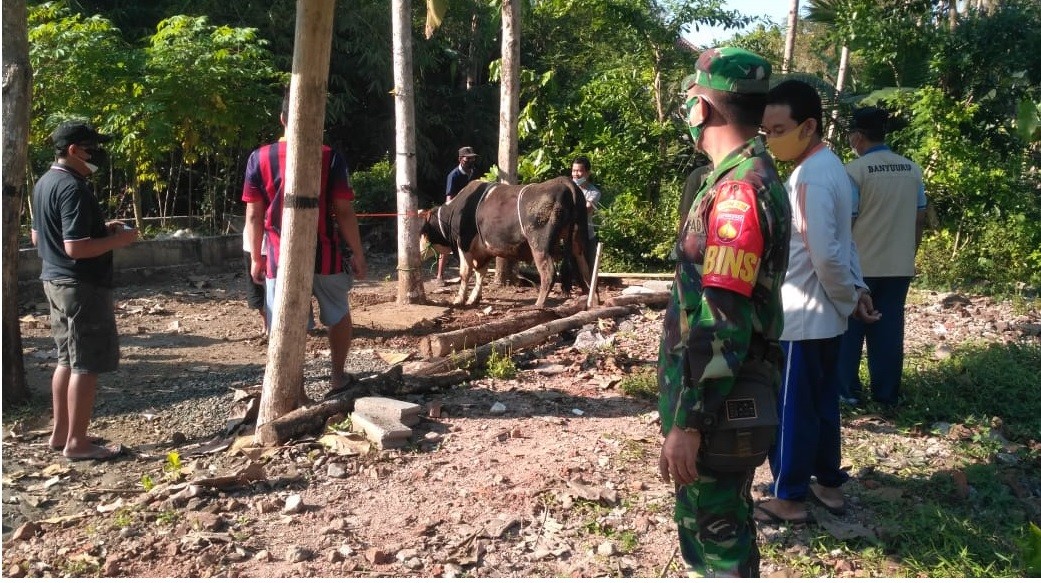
<point x="840" y="84"/>
<point x="789" y="39"/>
<point x="284" y="375"/>
<point x="410" y="267"/>
<point x="17" y="98"/>
<point x="509" y="111"/>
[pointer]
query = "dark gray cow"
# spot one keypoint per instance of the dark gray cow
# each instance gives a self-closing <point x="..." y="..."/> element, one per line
<point x="524" y="222"/>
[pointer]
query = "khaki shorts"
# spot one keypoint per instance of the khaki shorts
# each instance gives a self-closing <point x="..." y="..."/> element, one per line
<point x="83" y="323"/>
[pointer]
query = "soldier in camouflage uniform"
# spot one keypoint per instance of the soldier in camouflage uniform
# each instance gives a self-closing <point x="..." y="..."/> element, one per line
<point x="725" y="307"/>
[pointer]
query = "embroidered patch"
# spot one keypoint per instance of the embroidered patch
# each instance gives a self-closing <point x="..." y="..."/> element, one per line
<point x="735" y="242"/>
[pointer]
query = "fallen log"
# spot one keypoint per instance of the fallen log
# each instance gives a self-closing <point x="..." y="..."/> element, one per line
<point x="445" y="343"/>
<point x="479" y="356"/>
<point x="312" y="418"/>
<point x="655" y="299"/>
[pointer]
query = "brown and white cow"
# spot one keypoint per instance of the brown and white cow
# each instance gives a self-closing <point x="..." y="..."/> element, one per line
<point x="524" y="222"/>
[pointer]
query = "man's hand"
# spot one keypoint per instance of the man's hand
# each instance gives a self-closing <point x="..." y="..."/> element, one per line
<point x="865" y="310"/>
<point x="257" y="269"/>
<point x="679" y="455"/>
<point x="359" y="268"/>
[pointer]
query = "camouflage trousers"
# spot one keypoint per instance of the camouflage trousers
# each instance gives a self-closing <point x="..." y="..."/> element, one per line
<point x="716" y="529"/>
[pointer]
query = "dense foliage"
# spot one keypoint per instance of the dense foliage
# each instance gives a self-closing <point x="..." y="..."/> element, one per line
<point x="967" y="100"/>
<point x="190" y="86"/>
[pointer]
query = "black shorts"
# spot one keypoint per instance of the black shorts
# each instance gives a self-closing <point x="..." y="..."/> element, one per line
<point x="254" y="291"/>
<point x="83" y="323"/>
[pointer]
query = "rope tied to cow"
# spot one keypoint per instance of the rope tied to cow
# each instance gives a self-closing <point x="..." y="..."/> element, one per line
<point x="520" y="219"/>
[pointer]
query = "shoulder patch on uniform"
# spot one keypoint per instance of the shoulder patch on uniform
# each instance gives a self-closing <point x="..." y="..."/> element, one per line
<point x="734" y="246"/>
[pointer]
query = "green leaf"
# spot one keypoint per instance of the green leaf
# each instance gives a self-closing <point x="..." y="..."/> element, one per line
<point x="436" y="10"/>
<point x="1032" y="551"/>
<point x="1028" y="120"/>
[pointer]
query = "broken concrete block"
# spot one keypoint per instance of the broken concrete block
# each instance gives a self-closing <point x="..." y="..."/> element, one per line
<point x="385" y="433"/>
<point x="403" y="411"/>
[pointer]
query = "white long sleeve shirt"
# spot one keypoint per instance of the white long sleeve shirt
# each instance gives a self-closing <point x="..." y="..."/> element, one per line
<point x="820" y="288"/>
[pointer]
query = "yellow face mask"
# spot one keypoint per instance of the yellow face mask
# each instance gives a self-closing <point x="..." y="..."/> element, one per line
<point x="789" y="146"/>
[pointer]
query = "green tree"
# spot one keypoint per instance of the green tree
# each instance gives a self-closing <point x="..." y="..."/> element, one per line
<point x="195" y="97"/>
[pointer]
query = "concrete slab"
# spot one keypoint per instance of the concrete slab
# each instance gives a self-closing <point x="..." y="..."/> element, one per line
<point x="403" y="411"/>
<point x="393" y="317"/>
<point x="385" y="433"/>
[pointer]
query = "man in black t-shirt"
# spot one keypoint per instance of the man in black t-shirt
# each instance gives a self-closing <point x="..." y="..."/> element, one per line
<point x="458" y="178"/>
<point x="75" y="245"/>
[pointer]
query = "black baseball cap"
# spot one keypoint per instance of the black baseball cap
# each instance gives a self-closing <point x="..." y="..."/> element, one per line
<point x="869" y="119"/>
<point x="77" y="132"/>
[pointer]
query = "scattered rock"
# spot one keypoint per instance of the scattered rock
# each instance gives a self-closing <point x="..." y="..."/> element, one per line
<point x="263" y="555"/>
<point x="298" y="554"/>
<point x="15" y="570"/>
<point x="378" y="556"/>
<point x="26" y="531"/>
<point x="414" y="563"/>
<point x="607" y="549"/>
<point x="111" y="567"/>
<point x="498" y="408"/>
<point x="337" y="470"/>
<point x="294" y="504"/>
<point x="207" y="521"/>
<point x="264" y="506"/>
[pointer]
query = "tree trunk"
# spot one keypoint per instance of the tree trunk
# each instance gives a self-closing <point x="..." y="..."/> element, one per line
<point x="840" y="83"/>
<point x="509" y="110"/>
<point x="410" y="268"/>
<point x="135" y="199"/>
<point x="789" y="39"/>
<point x="17" y="98"/>
<point x="952" y="14"/>
<point x="284" y="376"/>
<point x="472" y="65"/>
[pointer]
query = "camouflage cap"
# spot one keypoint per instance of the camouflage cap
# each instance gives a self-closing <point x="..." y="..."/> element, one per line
<point x="730" y="69"/>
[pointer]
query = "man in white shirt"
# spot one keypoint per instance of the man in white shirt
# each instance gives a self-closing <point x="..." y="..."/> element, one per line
<point x="822" y="288"/>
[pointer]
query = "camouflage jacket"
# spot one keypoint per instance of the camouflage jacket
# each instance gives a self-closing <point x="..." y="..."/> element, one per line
<point x="732" y="256"/>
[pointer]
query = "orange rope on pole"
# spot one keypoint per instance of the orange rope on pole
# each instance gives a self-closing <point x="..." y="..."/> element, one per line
<point x="365" y="215"/>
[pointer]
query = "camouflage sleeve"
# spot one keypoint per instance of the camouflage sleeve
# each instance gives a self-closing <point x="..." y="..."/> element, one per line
<point x="717" y="344"/>
<point x="716" y="335"/>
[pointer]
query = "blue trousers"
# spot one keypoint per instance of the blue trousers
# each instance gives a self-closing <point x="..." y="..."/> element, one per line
<point x="885" y="343"/>
<point x="808" y="441"/>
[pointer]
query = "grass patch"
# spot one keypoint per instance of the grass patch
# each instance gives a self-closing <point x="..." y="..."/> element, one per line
<point x="970" y="511"/>
<point x="500" y="365"/>
<point x="641" y="384"/>
<point x="980" y="384"/>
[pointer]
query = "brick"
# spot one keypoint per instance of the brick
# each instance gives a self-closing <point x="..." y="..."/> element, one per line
<point x="385" y="433"/>
<point x="402" y="411"/>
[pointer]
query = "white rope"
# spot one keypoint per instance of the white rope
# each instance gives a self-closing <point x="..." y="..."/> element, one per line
<point x="520" y="219"/>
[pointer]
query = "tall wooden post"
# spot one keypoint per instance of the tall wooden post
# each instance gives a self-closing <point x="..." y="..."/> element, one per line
<point x="284" y="376"/>
<point x="410" y="274"/>
<point x="509" y="111"/>
<point x="789" y="39"/>
<point x="840" y="84"/>
<point x="17" y="98"/>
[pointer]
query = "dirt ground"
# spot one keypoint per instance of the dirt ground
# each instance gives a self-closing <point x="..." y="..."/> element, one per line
<point x="552" y="473"/>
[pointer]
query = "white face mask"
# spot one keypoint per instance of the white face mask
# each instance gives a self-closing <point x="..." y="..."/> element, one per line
<point x="581" y="181"/>
<point x="91" y="167"/>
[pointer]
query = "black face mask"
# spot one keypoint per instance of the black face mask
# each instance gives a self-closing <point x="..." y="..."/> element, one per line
<point x="98" y="155"/>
